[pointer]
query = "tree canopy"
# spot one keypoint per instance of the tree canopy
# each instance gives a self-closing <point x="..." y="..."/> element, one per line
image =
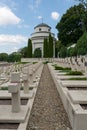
<point x="70" y="27"/>
<point x="23" y="52"/>
<point x="3" y="56"/>
<point x="81" y="45"/>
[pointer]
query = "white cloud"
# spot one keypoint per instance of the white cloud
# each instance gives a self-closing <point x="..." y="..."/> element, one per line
<point x="55" y="15"/>
<point x="39" y="17"/>
<point x="7" y="17"/>
<point x="12" y="39"/>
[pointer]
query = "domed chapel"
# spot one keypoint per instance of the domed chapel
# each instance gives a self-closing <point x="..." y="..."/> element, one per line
<point x="41" y="31"/>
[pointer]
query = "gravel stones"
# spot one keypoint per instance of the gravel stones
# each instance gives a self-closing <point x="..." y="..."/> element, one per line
<point x="48" y="112"/>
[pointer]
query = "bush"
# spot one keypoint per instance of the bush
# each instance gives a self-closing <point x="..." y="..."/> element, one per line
<point x="74" y="73"/>
<point x="46" y="62"/>
<point x="4" y="88"/>
<point x="79" y="78"/>
<point x="63" y="52"/>
<point x="81" y="45"/>
<point x="61" y="68"/>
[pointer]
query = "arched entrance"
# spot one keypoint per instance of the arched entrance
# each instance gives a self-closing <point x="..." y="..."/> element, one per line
<point x="37" y="53"/>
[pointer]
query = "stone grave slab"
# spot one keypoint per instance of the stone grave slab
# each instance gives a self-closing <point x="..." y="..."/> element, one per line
<point x="78" y="96"/>
<point x="60" y="73"/>
<point x="6" y="114"/>
<point x="67" y="77"/>
<point x="74" y="83"/>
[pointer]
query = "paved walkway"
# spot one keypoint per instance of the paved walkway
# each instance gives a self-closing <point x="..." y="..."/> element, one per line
<point x="48" y="112"/>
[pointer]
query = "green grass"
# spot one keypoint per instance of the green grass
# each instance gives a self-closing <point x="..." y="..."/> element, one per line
<point x="74" y="73"/>
<point x="30" y="88"/>
<point x="4" y="88"/>
<point x="79" y="78"/>
<point x="45" y="62"/>
<point x="35" y="62"/>
<point x="61" y="68"/>
<point x="21" y="63"/>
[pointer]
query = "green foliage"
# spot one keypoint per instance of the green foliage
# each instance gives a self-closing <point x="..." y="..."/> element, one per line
<point x="81" y="45"/>
<point x="74" y="73"/>
<point x="30" y="88"/>
<point x="72" y="52"/>
<point x="4" y="88"/>
<point x="23" y="52"/>
<point x="3" y="56"/>
<point x="21" y="63"/>
<point x="15" y="56"/>
<point x="70" y="26"/>
<point x="79" y="78"/>
<point x="46" y="62"/>
<point x="63" y="52"/>
<point x="37" y="53"/>
<point x="84" y="2"/>
<point x="61" y="68"/>
<point x="50" y="46"/>
<point x="45" y="48"/>
<point x="35" y="62"/>
<point x="29" y="49"/>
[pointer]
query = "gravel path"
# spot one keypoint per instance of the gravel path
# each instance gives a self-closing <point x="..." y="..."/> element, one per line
<point x="48" y="112"/>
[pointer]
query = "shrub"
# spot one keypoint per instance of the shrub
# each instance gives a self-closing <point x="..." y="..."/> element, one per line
<point x="79" y="78"/>
<point x="74" y="73"/>
<point x="4" y="88"/>
<point x="61" y="68"/>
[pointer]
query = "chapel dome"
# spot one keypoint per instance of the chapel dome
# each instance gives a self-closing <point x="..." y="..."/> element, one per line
<point x="42" y="25"/>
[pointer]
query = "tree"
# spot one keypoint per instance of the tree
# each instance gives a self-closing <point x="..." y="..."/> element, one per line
<point x="70" y="26"/>
<point x="45" y="48"/>
<point x="23" y="52"/>
<point x="15" y="56"/>
<point x="81" y="45"/>
<point x="71" y="52"/>
<point x="3" y="56"/>
<point x="29" y="49"/>
<point x="84" y="2"/>
<point x="37" y="53"/>
<point x="50" y="46"/>
<point x="63" y="52"/>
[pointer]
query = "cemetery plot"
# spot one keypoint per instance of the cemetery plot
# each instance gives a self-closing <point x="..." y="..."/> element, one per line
<point x="17" y="93"/>
<point x="73" y="94"/>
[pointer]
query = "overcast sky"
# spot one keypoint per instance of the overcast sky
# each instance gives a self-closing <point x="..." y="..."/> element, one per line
<point x="19" y="17"/>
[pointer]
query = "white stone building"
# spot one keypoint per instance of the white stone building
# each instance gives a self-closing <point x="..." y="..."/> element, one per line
<point x="41" y="31"/>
